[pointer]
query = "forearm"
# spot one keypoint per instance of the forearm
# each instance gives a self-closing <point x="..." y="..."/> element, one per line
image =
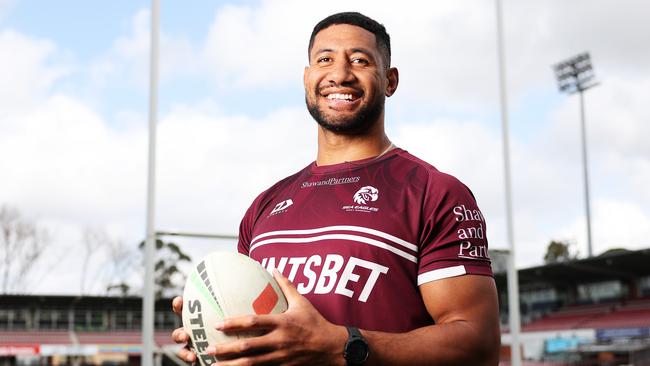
<point x="453" y="343"/>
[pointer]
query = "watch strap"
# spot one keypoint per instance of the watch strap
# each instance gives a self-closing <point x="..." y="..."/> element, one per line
<point x="354" y="333"/>
<point x="356" y="349"/>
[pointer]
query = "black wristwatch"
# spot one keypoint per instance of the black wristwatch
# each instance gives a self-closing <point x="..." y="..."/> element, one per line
<point x="356" y="349"/>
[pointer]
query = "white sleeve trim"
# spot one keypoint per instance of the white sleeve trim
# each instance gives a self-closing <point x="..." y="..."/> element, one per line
<point x="438" y="274"/>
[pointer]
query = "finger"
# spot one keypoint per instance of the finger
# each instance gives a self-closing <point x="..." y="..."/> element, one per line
<point x="289" y="290"/>
<point x="248" y="322"/>
<point x="270" y="358"/>
<point x="177" y="305"/>
<point x="187" y="355"/>
<point x="179" y="335"/>
<point x="242" y="347"/>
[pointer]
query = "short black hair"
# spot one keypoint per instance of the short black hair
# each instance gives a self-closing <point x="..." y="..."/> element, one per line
<point x="353" y="18"/>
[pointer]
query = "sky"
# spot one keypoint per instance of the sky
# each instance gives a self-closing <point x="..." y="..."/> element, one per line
<point x="232" y="120"/>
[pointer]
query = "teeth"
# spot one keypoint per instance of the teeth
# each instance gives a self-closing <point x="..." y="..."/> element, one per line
<point x="340" y="96"/>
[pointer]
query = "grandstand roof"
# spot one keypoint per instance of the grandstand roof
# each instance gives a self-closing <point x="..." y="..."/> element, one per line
<point x="74" y="301"/>
<point x="621" y="265"/>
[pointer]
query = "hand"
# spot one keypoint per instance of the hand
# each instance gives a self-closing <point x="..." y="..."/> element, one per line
<point x="179" y="335"/>
<point x="299" y="336"/>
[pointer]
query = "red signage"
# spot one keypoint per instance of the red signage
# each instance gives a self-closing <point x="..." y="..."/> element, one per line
<point x="22" y="350"/>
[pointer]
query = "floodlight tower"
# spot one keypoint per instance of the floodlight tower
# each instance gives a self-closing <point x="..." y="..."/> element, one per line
<point x="576" y="75"/>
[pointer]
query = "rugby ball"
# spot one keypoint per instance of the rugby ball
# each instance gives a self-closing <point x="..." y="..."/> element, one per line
<point x="225" y="284"/>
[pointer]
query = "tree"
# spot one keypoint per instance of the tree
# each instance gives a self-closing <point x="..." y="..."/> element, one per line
<point x="120" y="263"/>
<point x="123" y="261"/>
<point x="93" y="240"/>
<point x="613" y="251"/>
<point x="558" y="251"/>
<point x="22" y="243"/>
<point x="168" y="278"/>
<point x="122" y="289"/>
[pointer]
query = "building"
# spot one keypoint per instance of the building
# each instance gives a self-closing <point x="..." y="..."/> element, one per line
<point x="593" y="311"/>
<point x="80" y="330"/>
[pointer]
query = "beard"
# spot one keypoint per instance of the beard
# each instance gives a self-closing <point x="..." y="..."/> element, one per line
<point x="357" y="124"/>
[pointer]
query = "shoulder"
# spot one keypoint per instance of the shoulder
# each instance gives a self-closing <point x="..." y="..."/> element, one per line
<point x="270" y="193"/>
<point x="261" y="203"/>
<point x="435" y="181"/>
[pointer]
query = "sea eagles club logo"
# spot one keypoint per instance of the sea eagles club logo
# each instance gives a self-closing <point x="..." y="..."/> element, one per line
<point x="366" y="194"/>
<point x="364" y="197"/>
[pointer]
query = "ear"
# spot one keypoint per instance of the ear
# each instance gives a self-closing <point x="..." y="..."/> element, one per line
<point x="304" y="76"/>
<point x="393" y="79"/>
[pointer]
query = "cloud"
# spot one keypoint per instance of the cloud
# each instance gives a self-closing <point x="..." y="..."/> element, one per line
<point x="212" y="166"/>
<point x="619" y="155"/>
<point x="548" y="177"/>
<point x="63" y="152"/>
<point x="26" y="72"/>
<point x="72" y="166"/>
<point x="616" y="114"/>
<point x="265" y="47"/>
<point x="547" y="171"/>
<point x="615" y="224"/>
<point x="446" y="51"/>
<point x="70" y="170"/>
<point x="542" y="34"/>
<point x="256" y="47"/>
<point x="129" y="56"/>
<point x="620" y="223"/>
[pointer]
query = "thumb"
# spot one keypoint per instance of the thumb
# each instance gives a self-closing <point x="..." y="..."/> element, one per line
<point x="288" y="289"/>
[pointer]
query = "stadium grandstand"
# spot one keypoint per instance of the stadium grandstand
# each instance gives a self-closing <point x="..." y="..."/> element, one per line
<point x="593" y="311"/>
<point x="74" y="330"/>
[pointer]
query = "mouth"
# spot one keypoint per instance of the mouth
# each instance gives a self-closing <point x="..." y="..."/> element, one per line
<point x="340" y="96"/>
<point x="340" y="100"/>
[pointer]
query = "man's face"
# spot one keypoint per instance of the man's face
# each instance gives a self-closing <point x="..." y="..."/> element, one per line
<point x="346" y="81"/>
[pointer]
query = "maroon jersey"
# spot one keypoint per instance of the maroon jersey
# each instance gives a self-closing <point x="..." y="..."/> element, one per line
<point x="358" y="238"/>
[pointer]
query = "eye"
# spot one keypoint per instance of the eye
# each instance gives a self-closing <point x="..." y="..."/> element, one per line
<point x="360" y="61"/>
<point x="323" y="59"/>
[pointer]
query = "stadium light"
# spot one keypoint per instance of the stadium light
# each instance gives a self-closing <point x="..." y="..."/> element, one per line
<point x="576" y="75"/>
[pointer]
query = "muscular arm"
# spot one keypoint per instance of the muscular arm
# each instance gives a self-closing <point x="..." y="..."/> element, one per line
<point x="466" y="332"/>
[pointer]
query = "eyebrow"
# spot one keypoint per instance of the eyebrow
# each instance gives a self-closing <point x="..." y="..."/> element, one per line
<point x="354" y="50"/>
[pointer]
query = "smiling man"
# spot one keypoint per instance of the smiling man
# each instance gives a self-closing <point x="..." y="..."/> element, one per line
<point x="372" y="246"/>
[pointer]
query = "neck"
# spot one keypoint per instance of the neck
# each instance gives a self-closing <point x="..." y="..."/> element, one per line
<point x="335" y="148"/>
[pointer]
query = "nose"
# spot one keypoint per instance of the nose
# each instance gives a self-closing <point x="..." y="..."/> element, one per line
<point x="341" y="72"/>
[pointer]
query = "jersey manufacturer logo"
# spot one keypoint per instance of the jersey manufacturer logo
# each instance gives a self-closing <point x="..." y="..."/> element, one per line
<point x="281" y="207"/>
<point x="366" y="194"/>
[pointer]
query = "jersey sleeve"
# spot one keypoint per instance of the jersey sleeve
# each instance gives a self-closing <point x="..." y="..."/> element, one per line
<point x="244" y="237"/>
<point x="247" y="224"/>
<point x="453" y="241"/>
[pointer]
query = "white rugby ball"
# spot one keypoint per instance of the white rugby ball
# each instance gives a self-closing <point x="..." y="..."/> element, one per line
<point x="226" y="284"/>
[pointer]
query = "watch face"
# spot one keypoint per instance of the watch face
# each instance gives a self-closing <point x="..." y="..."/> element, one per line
<point x="356" y="351"/>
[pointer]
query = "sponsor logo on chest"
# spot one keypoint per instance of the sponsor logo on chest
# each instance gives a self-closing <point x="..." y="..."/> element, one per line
<point x="330" y="182"/>
<point x="329" y="274"/>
